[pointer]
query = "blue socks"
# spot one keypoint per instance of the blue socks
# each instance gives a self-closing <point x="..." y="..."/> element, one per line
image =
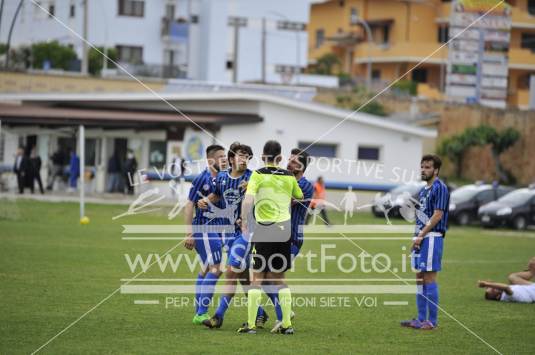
<point x="224" y="302"/>
<point x="223" y="305"/>
<point x="207" y="291"/>
<point x="274" y="297"/>
<point x="431" y="292"/>
<point x="198" y="285"/>
<point x="427" y="301"/>
<point x="421" y="302"/>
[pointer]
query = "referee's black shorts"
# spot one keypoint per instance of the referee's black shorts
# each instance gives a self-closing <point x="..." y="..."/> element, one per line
<point x="271" y="247"/>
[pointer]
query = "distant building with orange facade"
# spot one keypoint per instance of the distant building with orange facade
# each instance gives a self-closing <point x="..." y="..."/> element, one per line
<point x="405" y="32"/>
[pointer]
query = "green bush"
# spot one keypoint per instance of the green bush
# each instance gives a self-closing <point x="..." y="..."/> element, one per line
<point x="60" y="56"/>
<point x="96" y="59"/>
<point x="406" y="86"/>
<point x="373" y="107"/>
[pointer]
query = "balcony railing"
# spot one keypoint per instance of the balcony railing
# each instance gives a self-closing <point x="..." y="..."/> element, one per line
<point x="174" y="31"/>
<point x="154" y="70"/>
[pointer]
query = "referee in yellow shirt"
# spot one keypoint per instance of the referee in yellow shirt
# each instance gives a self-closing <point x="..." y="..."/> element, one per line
<point x="270" y="190"/>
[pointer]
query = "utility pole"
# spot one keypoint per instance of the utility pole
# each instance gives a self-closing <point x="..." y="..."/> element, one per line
<point x="11" y="32"/>
<point x="85" y="49"/>
<point x="1" y="12"/>
<point x="263" y="50"/>
<point x="236" y="22"/>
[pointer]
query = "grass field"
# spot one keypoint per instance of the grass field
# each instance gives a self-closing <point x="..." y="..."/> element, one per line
<point x="53" y="270"/>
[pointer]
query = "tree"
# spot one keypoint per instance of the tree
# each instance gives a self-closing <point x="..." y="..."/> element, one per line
<point x="455" y="146"/>
<point x="326" y="64"/>
<point x="96" y="59"/>
<point x="59" y="56"/>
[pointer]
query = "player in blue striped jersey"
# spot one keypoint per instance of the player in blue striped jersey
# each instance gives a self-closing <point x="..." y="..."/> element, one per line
<point x="200" y="233"/>
<point x="230" y="187"/>
<point x="297" y="164"/>
<point x="428" y="242"/>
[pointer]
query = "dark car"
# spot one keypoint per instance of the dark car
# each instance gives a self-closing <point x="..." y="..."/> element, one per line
<point x="393" y="200"/>
<point x="516" y="209"/>
<point x="466" y="200"/>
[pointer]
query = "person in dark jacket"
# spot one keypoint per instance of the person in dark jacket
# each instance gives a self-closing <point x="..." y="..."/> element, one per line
<point x="56" y="170"/>
<point x="114" y="171"/>
<point x="130" y="167"/>
<point x="35" y="164"/>
<point x="21" y="168"/>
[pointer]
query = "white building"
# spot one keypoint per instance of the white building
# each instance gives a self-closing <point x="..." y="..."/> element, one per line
<point x="194" y="39"/>
<point x="358" y="149"/>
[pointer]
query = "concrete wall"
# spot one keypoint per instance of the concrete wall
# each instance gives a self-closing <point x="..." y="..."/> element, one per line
<point x="290" y="126"/>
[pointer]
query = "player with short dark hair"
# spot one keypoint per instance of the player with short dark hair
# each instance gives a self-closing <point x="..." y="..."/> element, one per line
<point x="428" y="242"/>
<point x="207" y="243"/>
<point x="297" y="164"/>
<point x="230" y="187"/>
<point x="270" y="190"/>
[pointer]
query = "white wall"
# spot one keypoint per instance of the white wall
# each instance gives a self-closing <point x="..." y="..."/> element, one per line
<point x="399" y="152"/>
<point x="211" y="40"/>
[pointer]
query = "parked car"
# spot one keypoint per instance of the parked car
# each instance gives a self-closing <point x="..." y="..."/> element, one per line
<point x="516" y="209"/>
<point x="466" y="200"/>
<point x="394" y="199"/>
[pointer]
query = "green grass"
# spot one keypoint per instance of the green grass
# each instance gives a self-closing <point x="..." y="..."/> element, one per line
<point x="53" y="270"/>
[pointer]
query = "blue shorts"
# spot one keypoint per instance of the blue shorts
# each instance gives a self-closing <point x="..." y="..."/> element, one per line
<point x="228" y="239"/>
<point x="209" y="247"/>
<point x="429" y="257"/>
<point x="239" y="254"/>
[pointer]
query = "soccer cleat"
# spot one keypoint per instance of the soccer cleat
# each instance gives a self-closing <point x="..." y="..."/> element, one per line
<point x="261" y="320"/>
<point x="246" y="330"/>
<point x="427" y="325"/>
<point x="286" y="331"/>
<point x="198" y="319"/>
<point x="276" y="327"/>
<point x="278" y="323"/>
<point x="214" y="322"/>
<point x="413" y="323"/>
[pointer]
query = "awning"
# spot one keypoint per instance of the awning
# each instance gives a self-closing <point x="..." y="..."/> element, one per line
<point x="23" y="114"/>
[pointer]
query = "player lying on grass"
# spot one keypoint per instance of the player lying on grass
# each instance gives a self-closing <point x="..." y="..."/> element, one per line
<point x="206" y="242"/>
<point x="230" y="188"/>
<point x="521" y="289"/>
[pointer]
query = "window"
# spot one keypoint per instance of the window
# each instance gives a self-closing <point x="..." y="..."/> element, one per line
<point x="319" y="149"/>
<point x="485" y="196"/>
<point x="419" y="75"/>
<point x="368" y="153"/>
<point x="354" y="17"/>
<point x="376" y="74"/>
<point x="442" y="34"/>
<point x="130" y="54"/>
<point x="157" y="153"/>
<point x="528" y="41"/>
<point x="386" y="34"/>
<point x="131" y="8"/>
<point x="230" y="65"/>
<point x="90" y="151"/>
<point x="531" y="7"/>
<point x="320" y="37"/>
<point x="51" y="10"/>
<point x="72" y="11"/>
